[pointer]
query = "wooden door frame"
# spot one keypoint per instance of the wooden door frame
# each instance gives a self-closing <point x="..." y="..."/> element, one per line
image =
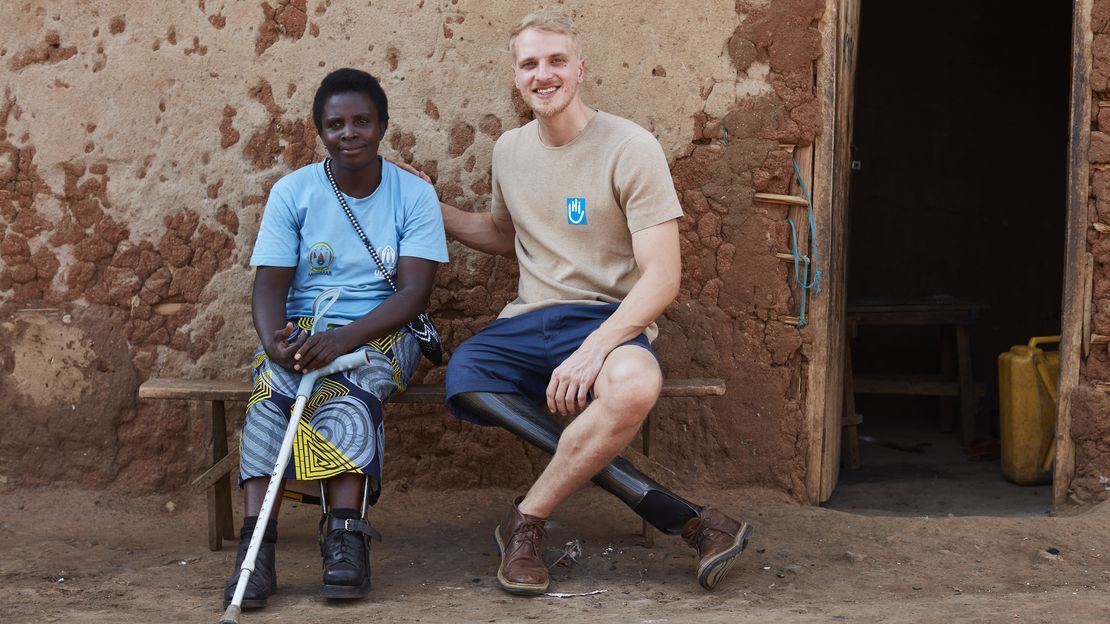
<point x="831" y="166"/>
<point x="1076" y="298"/>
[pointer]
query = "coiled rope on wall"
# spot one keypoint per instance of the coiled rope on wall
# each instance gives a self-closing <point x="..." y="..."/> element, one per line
<point x="802" y="263"/>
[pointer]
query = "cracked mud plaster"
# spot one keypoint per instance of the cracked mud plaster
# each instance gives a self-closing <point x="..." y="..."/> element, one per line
<point x="122" y="297"/>
<point x="1100" y="48"/>
<point x="293" y="140"/>
<point x="1090" y="431"/>
<point x="725" y="323"/>
<point x="152" y="289"/>
<point x="92" y="303"/>
<point x="289" y="20"/>
<point x="51" y="51"/>
<point x="104" y="265"/>
<point x="1097" y="365"/>
<point x="461" y="137"/>
<point x="69" y="385"/>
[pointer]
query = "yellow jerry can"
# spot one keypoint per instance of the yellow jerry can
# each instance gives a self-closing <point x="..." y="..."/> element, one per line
<point x="1027" y="379"/>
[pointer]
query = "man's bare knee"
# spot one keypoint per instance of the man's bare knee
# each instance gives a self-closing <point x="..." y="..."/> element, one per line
<point x="630" y="381"/>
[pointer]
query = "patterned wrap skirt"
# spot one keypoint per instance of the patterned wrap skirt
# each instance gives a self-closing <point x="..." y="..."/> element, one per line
<point x="341" y="429"/>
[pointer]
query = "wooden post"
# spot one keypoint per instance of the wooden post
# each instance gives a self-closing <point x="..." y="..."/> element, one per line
<point x="1071" y="335"/>
<point x="824" y="382"/>
<point x="824" y="170"/>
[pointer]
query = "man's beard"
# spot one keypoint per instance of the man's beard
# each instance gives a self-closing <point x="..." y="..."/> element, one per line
<point x="551" y="109"/>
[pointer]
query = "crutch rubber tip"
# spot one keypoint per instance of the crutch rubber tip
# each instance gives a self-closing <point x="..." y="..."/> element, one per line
<point x="231" y="616"/>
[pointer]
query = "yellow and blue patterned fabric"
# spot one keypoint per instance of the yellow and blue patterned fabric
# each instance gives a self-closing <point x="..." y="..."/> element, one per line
<point x="341" y="429"/>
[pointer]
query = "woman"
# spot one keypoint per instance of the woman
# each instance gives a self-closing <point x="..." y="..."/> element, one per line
<point x="307" y="244"/>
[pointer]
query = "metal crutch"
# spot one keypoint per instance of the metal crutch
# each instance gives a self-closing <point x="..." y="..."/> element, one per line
<point x="344" y="362"/>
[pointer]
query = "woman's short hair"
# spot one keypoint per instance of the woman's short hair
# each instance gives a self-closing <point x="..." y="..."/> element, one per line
<point x="547" y="20"/>
<point x="348" y="80"/>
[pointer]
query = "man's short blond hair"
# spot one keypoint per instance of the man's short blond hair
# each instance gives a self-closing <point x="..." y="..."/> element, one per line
<point x="547" y="20"/>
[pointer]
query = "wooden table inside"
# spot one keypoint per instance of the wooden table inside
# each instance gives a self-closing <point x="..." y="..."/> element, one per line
<point x="956" y="379"/>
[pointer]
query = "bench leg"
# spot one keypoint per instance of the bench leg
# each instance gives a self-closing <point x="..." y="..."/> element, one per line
<point x="220" y="520"/>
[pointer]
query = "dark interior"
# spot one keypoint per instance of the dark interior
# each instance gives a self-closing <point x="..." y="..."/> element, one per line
<point x="960" y="133"/>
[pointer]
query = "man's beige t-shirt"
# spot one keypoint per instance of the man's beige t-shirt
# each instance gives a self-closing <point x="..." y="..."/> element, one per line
<point x="575" y="208"/>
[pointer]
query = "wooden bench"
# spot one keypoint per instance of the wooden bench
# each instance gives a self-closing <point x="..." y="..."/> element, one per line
<point x="216" y="479"/>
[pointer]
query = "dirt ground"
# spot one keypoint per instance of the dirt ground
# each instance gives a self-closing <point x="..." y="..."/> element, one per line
<point x="73" y="555"/>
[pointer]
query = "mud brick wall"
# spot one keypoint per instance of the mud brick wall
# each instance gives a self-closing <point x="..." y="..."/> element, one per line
<point x="1090" y="411"/>
<point x="138" y="143"/>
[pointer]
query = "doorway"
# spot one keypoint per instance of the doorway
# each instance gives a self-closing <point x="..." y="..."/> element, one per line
<point x="958" y="198"/>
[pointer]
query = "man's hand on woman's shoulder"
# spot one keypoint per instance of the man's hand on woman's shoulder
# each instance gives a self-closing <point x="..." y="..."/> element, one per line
<point x="413" y="170"/>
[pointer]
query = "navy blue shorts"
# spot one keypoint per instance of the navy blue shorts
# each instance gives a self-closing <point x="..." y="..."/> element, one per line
<point x="517" y="355"/>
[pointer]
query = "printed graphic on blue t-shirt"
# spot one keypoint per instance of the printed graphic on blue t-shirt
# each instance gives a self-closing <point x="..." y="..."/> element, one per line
<point x="576" y="210"/>
<point x="304" y="226"/>
<point x="319" y="258"/>
<point x="388" y="256"/>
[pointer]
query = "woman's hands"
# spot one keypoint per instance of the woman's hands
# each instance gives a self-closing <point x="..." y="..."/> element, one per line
<point x="280" y="350"/>
<point x="306" y="353"/>
<point x="319" y="349"/>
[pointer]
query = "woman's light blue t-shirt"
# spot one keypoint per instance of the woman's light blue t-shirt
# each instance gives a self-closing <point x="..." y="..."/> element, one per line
<point x="304" y="226"/>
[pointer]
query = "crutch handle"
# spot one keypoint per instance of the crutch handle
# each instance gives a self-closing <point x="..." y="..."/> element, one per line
<point x="341" y="363"/>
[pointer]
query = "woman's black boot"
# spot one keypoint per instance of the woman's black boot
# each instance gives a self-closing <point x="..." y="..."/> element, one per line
<point x="345" y="547"/>
<point x="263" y="580"/>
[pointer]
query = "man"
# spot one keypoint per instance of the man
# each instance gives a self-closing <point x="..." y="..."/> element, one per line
<point x="585" y="202"/>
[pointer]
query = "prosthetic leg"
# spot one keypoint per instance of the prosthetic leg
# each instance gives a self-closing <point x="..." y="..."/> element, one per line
<point x="345" y="548"/>
<point x="662" y="508"/>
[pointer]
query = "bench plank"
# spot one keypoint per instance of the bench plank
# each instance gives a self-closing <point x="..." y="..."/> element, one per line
<point x="240" y="390"/>
<point x="196" y="389"/>
<point x="693" y="387"/>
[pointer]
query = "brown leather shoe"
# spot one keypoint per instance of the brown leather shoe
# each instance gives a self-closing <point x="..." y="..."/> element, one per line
<point x="718" y="540"/>
<point x="522" y="570"/>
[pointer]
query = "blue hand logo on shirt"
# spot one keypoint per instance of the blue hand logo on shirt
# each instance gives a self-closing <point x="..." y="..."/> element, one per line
<point x="320" y="258"/>
<point x="576" y="211"/>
